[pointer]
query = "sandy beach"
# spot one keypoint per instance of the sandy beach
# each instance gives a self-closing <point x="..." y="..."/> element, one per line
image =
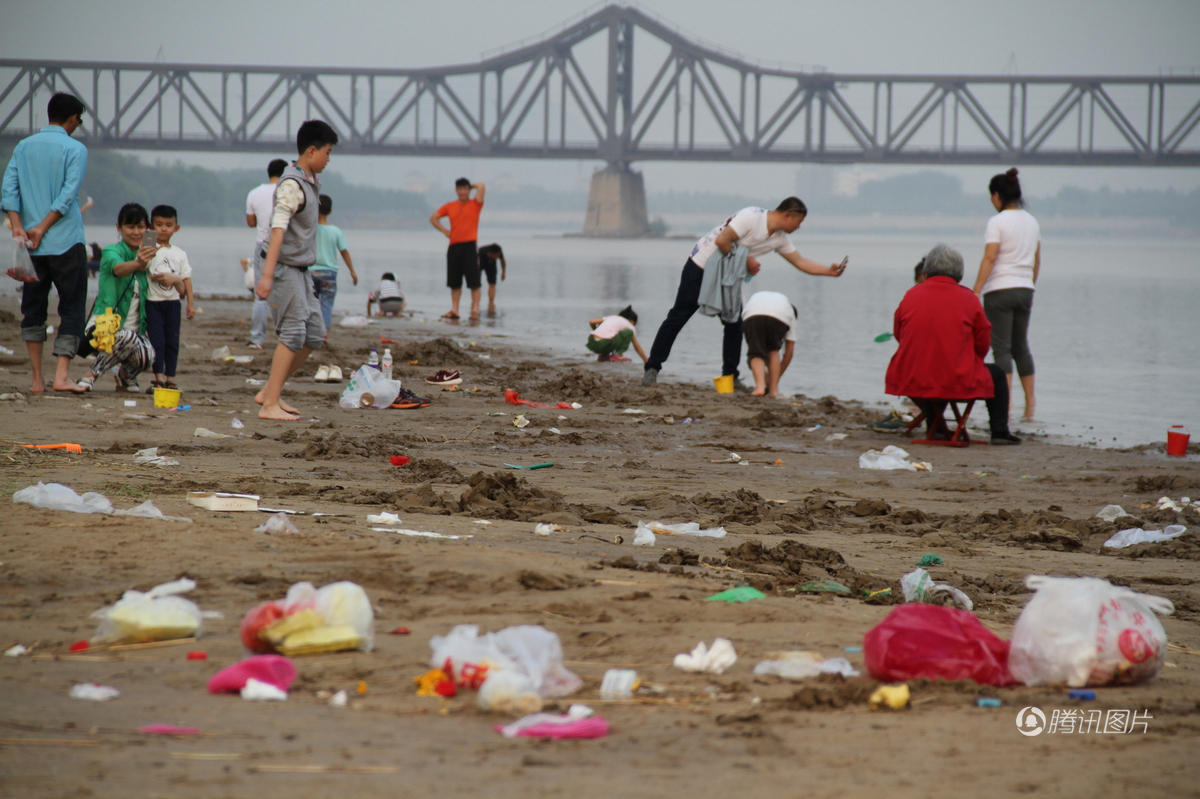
<point x="796" y="506"/>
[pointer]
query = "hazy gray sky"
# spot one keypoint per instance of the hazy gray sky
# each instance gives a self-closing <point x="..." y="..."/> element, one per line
<point x="916" y="36"/>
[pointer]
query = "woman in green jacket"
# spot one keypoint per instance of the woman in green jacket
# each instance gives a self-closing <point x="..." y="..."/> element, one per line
<point x="123" y="286"/>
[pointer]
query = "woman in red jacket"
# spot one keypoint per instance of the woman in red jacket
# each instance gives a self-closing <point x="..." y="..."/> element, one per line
<point x="943" y="335"/>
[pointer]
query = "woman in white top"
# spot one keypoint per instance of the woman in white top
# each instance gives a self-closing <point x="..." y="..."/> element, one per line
<point x="1012" y="257"/>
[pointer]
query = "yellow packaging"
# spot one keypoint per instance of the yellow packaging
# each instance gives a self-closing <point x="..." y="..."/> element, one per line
<point x="321" y="639"/>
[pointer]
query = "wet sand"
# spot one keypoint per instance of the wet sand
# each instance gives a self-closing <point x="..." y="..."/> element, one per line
<point x="797" y="508"/>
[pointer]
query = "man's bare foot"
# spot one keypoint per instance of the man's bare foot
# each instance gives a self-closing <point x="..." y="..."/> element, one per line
<point x="758" y="392"/>
<point x="277" y="413"/>
<point x="258" y="399"/>
<point x="69" y="386"/>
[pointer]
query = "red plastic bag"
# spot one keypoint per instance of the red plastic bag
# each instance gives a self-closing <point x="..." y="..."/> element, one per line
<point x="933" y="642"/>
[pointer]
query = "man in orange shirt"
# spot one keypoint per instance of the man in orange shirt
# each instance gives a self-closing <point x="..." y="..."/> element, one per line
<point x="462" y="260"/>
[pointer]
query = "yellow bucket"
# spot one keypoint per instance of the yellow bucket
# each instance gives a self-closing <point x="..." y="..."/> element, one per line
<point x="166" y="397"/>
<point x="724" y="384"/>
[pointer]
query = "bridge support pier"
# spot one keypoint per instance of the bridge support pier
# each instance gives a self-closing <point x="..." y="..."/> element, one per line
<point x="616" y="204"/>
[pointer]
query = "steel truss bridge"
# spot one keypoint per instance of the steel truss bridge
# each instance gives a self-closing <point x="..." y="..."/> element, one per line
<point x="586" y="92"/>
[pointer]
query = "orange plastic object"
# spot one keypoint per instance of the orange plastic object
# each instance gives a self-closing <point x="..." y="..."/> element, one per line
<point x="78" y="450"/>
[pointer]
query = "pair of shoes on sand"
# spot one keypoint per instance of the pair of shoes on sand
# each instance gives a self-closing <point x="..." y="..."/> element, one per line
<point x="328" y="374"/>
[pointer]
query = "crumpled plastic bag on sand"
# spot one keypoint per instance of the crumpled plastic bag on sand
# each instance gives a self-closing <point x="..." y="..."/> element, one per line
<point x="892" y="457"/>
<point x="333" y="618"/>
<point x="644" y="534"/>
<point x="918" y="586"/>
<point x="1136" y="535"/>
<point x="159" y="614"/>
<point x="56" y="496"/>
<point x="522" y="664"/>
<point x="714" y="660"/>
<point x="802" y="665"/>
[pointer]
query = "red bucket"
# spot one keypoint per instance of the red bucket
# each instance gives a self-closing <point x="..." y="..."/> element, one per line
<point x="1177" y="440"/>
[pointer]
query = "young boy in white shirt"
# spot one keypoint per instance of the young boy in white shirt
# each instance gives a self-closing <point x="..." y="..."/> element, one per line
<point x="170" y="278"/>
<point x="769" y="324"/>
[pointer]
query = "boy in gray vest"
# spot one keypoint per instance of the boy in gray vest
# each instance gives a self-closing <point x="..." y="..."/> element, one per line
<point x="291" y="250"/>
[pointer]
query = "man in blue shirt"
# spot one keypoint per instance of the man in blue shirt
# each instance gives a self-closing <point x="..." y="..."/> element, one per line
<point x="40" y="196"/>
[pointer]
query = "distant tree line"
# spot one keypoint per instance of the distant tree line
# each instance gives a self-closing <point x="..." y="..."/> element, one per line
<point x="209" y="197"/>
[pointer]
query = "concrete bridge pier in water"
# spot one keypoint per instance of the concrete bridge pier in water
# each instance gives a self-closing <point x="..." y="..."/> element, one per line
<point x="616" y="204"/>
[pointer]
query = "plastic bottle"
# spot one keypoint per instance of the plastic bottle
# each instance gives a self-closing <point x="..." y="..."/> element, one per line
<point x="385" y="364"/>
<point x="373" y="360"/>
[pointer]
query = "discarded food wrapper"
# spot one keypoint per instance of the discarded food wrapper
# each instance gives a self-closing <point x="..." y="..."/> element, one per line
<point x="542" y="528"/>
<point x="94" y="692"/>
<point x="383" y="518"/>
<point x="1111" y="513"/>
<point x="204" y="432"/>
<point x="714" y="661"/>
<point x="309" y="621"/>
<point x="577" y="723"/>
<point x="508" y="691"/>
<point x="520" y="422"/>
<point x="258" y="691"/>
<point x="619" y="684"/>
<point x="279" y="523"/>
<point x="918" y="586"/>
<point x="338" y="699"/>
<point x="220" y="500"/>
<point x="159" y="614"/>
<point x="837" y="436"/>
<point x="532" y="651"/>
<point x="802" y="665"/>
<point x="1136" y="535"/>
<point x="150" y="457"/>
<point x="892" y="457"/>
<point x="1084" y="631"/>
<point x="15" y="651"/>
<point x="894" y="697"/>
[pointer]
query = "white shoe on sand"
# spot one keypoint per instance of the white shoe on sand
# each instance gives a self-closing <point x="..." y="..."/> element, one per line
<point x="322" y="375"/>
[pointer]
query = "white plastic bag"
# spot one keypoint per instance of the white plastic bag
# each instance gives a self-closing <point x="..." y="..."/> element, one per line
<point x="1086" y="631"/>
<point x="529" y="650"/>
<point x="368" y="388"/>
<point x="892" y="457"/>
<point x="714" y="660"/>
<point x="1136" y="535"/>
<point x="802" y="665"/>
<point x="918" y="586"/>
<point x="56" y="496"/>
<point x="156" y="615"/>
<point x="685" y="528"/>
<point x="22" y="265"/>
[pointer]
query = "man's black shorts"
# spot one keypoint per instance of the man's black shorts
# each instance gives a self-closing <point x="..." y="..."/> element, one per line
<point x="462" y="263"/>
<point x="763" y="334"/>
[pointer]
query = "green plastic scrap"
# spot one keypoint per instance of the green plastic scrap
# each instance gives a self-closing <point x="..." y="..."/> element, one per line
<point x="546" y="465"/>
<point x="882" y="337"/>
<point x="822" y="587"/>
<point x="743" y="593"/>
<point x="929" y="559"/>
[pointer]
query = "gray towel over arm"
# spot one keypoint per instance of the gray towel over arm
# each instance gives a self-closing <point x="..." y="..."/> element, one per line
<point x="721" y="289"/>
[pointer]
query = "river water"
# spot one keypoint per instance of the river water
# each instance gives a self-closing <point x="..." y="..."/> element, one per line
<point x="1115" y="331"/>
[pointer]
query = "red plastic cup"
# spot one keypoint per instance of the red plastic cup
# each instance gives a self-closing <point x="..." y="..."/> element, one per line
<point x="1177" y="440"/>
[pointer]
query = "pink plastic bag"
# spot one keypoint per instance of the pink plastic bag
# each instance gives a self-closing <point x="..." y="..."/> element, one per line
<point x="934" y="642"/>
<point x="272" y="669"/>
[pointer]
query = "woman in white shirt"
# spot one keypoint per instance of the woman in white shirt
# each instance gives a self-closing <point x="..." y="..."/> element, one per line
<point x="1012" y="257"/>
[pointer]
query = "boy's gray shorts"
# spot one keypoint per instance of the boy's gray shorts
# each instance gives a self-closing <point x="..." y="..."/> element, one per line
<point x="297" y="313"/>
